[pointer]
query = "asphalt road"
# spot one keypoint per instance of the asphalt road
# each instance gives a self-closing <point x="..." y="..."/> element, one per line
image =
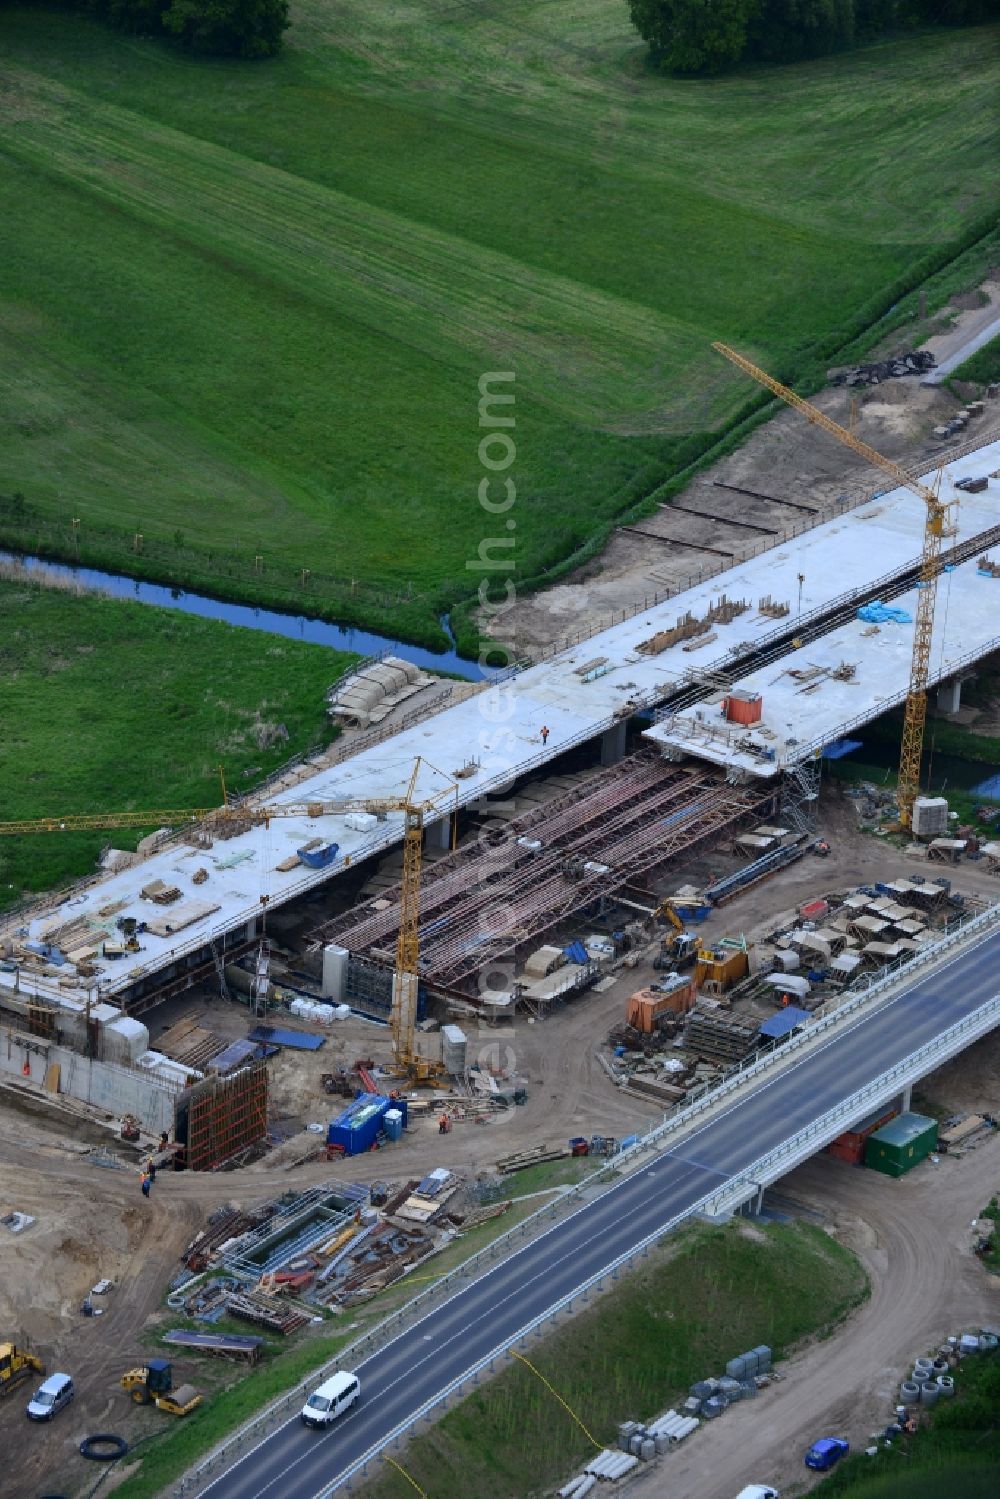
<point x="295" y="1463"/>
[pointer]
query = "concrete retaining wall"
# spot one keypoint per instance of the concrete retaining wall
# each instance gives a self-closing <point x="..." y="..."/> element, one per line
<point x="116" y="1090"/>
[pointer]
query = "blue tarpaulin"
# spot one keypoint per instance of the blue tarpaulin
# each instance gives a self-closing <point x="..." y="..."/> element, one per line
<point x="232" y="1056"/>
<point x="782" y="1024"/>
<point x="576" y="953"/>
<point x="840" y="747"/>
<point x="877" y="613"/>
<point x="989" y="789"/>
<point x="297" y="1040"/>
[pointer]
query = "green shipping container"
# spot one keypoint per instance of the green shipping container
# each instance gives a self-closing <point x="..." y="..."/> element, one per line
<point x="901" y="1144"/>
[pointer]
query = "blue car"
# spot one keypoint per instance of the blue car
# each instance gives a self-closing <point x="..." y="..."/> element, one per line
<point x="827" y="1451"/>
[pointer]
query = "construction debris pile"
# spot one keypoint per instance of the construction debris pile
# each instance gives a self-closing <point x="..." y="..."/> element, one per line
<point x="681" y="1032"/>
<point x="278" y="1265"/>
<point x="916" y="363"/>
<point x="688" y="627"/>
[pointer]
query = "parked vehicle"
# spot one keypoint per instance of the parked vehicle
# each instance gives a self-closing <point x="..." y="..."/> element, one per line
<point x="50" y="1398"/>
<point x="334" y="1396"/>
<point x="827" y="1451"/>
<point x="757" y="1491"/>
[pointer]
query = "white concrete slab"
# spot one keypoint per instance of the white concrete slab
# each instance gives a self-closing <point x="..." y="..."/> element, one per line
<point x="501" y="727"/>
<point x="799" y="717"/>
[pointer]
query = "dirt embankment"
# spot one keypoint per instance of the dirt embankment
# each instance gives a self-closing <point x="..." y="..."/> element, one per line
<point x="785" y="476"/>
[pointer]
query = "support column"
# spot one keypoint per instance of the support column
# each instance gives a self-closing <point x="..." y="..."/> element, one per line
<point x="613" y="744"/>
<point x="251" y="929"/>
<point x="334" y="982"/>
<point x="906" y="1099"/>
<point x="949" y="696"/>
<point x="438" y="834"/>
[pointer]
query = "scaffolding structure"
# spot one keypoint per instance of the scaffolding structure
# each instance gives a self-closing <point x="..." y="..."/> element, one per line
<point x="220" y="1116"/>
<point x="490" y="901"/>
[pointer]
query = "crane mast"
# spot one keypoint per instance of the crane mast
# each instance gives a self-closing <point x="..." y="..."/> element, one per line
<point x="939" y="524"/>
<point x="406" y="979"/>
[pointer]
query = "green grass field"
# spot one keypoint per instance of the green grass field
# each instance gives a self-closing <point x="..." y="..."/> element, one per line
<point x="714" y="1293"/>
<point x="983" y="366"/>
<point x="110" y="706"/>
<point x="245" y="307"/>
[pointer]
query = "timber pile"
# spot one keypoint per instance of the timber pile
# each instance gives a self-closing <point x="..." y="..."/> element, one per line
<point x="669" y="1094"/>
<point x="714" y="1034"/>
<point x="189" y="1043"/>
<point x="917" y="363"/>
<point x="533" y="1156"/>
<point x="266" y="1311"/>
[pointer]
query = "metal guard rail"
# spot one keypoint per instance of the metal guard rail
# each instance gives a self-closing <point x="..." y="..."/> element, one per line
<point x="370" y="1341"/>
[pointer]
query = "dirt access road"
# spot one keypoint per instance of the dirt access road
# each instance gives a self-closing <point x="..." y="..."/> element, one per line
<point x="913" y="1237"/>
<point x="784" y="476"/>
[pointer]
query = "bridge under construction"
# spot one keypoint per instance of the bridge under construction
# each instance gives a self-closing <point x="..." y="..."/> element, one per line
<point x="778" y="626"/>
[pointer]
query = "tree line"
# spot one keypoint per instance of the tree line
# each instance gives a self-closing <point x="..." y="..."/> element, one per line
<point x="706" y="36"/>
<point x="214" y="28"/>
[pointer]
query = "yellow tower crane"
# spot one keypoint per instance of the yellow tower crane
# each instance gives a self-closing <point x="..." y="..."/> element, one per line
<point x="939" y="524"/>
<point x="416" y="812"/>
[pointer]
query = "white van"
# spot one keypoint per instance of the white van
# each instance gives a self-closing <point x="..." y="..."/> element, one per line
<point x="333" y="1397"/>
<point x="49" y="1399"/>
<point x="757" y="1491"/>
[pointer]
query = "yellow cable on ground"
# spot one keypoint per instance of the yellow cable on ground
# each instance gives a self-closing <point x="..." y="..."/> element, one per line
<point x="406" y="1475"/>
<point x="568" y="1409"/>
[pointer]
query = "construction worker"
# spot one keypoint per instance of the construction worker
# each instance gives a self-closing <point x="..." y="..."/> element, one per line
<point x="164" y="1140"/>
<point x="151" y="1169"/>
<point x="544" y="733"/>
<point x="145" y="1184"/>
<point x="443" y="1125"/>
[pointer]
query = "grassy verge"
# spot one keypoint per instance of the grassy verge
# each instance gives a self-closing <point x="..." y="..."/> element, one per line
<point x="957" y="1452"/>
<point x="113" y="706"/>
<point x="715" y="1292"/>
<point x="983" y="366"/>
<point x="165" y="1456"/>
<point x="183" y="1444"/>
<point x="301" y="380"/>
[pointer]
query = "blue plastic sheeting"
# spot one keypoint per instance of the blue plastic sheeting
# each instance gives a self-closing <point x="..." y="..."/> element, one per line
<point x="318" y="858"/>
<point x="877" y="613"/>
<point x="784" y="1022"/>
<point x="990" y="789"/>
<point x="840" y="747"/>
<point x="232" y="1056"/>
<point x="296" y="1040"/>
<point x="576" y="953"/>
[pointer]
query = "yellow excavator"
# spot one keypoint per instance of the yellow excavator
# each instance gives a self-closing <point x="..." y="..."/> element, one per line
<point x="16" y="1364"/>
<point x="153" y="1385"/>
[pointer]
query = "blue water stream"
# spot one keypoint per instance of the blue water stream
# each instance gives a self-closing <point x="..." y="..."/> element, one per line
<point x="292" y="626"/>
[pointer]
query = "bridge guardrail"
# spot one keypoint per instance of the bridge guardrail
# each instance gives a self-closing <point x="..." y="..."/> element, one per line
<point x="393" y="1324"/>
<point x="774" y="1164"/>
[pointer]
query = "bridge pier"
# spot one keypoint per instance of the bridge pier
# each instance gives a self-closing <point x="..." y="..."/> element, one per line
<point x="613" y="744"/>
<point x="438" y="834"/>
<point x="949" y="696"/>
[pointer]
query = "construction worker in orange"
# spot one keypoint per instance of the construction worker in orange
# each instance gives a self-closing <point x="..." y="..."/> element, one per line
<point x="544" y="733"/>
<point x="145" y="1183"/>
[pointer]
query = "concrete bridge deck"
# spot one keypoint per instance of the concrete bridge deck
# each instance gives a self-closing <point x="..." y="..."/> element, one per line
<point x="501" y="728"/>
